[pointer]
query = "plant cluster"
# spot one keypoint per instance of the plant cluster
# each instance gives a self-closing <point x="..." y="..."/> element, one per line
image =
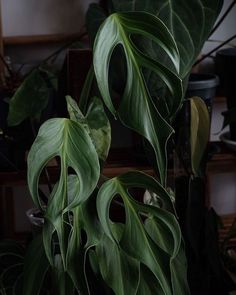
<point x="82" y="249"/>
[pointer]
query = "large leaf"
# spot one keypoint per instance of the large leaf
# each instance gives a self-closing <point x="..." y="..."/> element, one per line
<point x="31" y="98"/>
<point x="137" y="109"/>
<point x="190" y="22"/>
<point x="137" y="241"/>
<point x="199" y="132"/>
<point x="96" y="122"/>
<point x="70" y="141"/>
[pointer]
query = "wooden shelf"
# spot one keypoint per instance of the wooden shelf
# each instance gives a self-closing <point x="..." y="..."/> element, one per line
<point x="41" y="39"/>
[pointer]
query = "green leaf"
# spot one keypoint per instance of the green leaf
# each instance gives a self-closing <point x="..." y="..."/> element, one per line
<point x="190" y="22"/>
<point x="119" y="270"/>
<point x="199" y="132"/>
<point x="31" y="98"/>
<point x="136" y="241"/>
<point x="36" y="266"/>
<point x="70" y="141"/>
<point x="96" y="123"/>
<point x="137" y="110"/>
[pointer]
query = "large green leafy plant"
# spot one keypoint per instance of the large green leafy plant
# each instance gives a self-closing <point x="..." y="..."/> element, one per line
<point x="146" y="246"/>
<point x="82" y="249"/>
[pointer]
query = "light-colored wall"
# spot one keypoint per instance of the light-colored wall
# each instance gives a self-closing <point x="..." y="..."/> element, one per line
<point x="34" y="17"/>
<point x="226" y="29"/>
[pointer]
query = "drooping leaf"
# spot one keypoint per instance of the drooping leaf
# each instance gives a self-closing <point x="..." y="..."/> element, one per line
<point x="136" y="240"/>
<point x="70" y="141"/>
<point x="137" y="110"/>
<point x="96" y="122"/>
<point x="31" y="98"/>
<point x="199" y="131"/>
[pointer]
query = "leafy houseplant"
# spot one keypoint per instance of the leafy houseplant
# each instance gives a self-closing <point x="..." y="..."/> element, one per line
<point x="82" y="250"/>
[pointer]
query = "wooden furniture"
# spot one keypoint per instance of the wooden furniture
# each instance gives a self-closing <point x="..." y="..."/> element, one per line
<point x="120" y="161"/>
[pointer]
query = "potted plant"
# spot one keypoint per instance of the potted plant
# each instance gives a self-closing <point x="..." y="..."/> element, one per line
<point x="82" y="250"/>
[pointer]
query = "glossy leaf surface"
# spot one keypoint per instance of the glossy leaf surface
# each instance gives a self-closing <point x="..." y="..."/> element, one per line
<point x="136" y="109"/>
<point x="70" y="141"/>
<point x="190" y="22"/>
<point x="136" y="240"/>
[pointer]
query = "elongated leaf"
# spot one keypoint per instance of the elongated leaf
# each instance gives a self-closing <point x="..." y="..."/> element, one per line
<point x="96" y="123"/>
<point x="70" y="141"/>
<point x="136" y="241"/>
<point x="36" y="266"/>
<point x="136" y="109"/>
<point x="190" y="22"/>
<point x="31" y="98"/>
<point x="199" y="131"/>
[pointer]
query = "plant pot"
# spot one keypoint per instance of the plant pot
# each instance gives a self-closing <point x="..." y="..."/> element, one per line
<point x="204" y="86"/>
<point x="225" y="67"/>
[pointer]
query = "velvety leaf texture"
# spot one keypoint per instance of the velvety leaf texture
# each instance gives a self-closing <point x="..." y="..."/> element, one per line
<point x="190" y="22"/>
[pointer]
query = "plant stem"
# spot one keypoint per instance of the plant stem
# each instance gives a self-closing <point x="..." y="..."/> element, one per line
<point x="223" y="17"/>
<point x="214" y="50"/>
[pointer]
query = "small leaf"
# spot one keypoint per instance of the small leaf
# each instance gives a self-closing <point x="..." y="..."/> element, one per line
<point x="95" y="122"/>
